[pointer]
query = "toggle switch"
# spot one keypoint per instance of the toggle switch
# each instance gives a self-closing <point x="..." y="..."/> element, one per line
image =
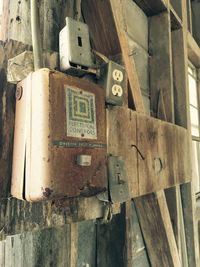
<point x="84" y="160"/>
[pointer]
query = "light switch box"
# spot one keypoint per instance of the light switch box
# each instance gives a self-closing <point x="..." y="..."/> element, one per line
<point x="75" y="50"/>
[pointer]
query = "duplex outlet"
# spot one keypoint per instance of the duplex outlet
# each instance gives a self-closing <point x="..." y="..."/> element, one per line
<point x="112" y="79"/>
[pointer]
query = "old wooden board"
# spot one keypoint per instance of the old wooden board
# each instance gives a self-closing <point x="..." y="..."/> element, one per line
<point x="191" y="230"/>
<point x="111" y="237"/>
<point x="180" y="63"/>
<point x="113" y="11"/>
<point x="70" y="245"/>
<point x="98" y="16"/>
<point x="159" y="143"/>
<point x="52" y="19"/>
<point x="7" y="109"/>
<point x="153" y="207"/>
<point x="195" y="10"/>
<point x="151" y="149"/>
<point x="152" y="7"/>
<point x="160" y="63"/>
<point x="179" y="48"/>
<point x="139" y="256"/>
<point x="193" y="50"/>
<point x="121" y="141"/>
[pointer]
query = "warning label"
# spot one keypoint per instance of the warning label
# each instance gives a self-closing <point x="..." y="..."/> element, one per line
<point x="81" y="113"/>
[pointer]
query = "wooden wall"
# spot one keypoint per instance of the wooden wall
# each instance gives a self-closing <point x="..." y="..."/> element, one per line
<point x="159" y="55"/>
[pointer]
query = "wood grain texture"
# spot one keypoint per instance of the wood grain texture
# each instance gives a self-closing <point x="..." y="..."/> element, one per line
<point x="159" y="237"/>
<point x="52" y="20"/>
<point x="181" y="98"/>
<point x="159" y="166"/>
<point x="121" y="138"/>
<point x="98" y="16"/>
<point x="191" y="231"/>
<point x="193" y="50"/>
<point x="111" y="248"/>
<point x="161" y="63"/>
<point x="110" y="14"/>
<point x="71" y="245"/>
<point x="152" y="7"/>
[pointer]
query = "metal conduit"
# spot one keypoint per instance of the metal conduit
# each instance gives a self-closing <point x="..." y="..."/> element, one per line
<point x="36" y="38"/>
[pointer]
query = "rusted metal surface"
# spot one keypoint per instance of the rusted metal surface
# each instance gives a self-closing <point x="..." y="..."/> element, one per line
<point x="41" y="130"/>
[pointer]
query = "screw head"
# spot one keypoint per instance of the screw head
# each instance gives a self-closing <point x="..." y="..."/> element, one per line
<point x="19" y="92"/>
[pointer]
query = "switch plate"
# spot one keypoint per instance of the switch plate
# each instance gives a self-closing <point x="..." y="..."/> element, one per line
<point x="112" y="79"/>
<point x="119" y="191"/>
<point x="74" y="45"/>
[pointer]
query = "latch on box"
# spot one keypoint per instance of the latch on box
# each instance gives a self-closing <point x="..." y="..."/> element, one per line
<point x="118" y="185"/>
<point x="117" y="181"/>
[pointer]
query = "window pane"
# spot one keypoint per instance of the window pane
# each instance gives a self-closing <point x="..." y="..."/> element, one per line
<point x="193" y="91"/>
<point x="194" y="116"/>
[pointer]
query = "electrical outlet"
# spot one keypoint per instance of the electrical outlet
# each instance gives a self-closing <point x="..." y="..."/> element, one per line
<point x="118" y="75"/>
<point x="112" y="79"/>
<point x="117" y="90"/>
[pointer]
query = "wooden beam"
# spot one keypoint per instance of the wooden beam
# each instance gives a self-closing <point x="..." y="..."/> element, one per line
<point x="169" y="236"/>
<point x="161" y="63"/>
<point x="111" y="242"/>
<point x="157" y="230"/>
<point x="70" y="245"/>
<point x="152" y="7"/>
<point x="182" y="118"/>
<point x="193" y="50"/>
<point x="191" y="224"/>
<point x="5" y="21"/>
<point x="180" y="79"/>
<point x="110" y="13"/>
<point x="118" y="13"/>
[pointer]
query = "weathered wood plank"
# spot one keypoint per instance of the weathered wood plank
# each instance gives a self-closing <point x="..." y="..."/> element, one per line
<point x="180" y="63"/>
<point x="71" y="245"/>
<point x="160" y="63"/>
<point x="180" y="79"/>
<point x="139" y="253"/>
<point x="195" y="6"/>
<point x="52" y="20"/>
<point x="118" y="14"/>
<point x="98" y="16"/>
<point x="111" y="248"/>
<point x="2" y="253"/>
<point x="159" y="237"/>
<point x="191" y="225"/>
<point x="120" y="144"/>
<point x="111" y="13"/>
<point x="177" y="5"/>
<point x="152" y="7"/>
<point x="193" y="50"/>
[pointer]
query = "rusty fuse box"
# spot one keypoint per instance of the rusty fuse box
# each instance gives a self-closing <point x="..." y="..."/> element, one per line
<point x="60" y="138"/>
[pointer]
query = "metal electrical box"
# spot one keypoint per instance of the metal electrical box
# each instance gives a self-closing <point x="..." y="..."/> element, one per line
<point x="112" y="79"/>
<point x="60" y="138"/>
<point x="75" y="51"/>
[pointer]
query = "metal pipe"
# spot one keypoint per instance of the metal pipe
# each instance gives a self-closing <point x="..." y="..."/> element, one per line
<point x="36" y="38"/>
